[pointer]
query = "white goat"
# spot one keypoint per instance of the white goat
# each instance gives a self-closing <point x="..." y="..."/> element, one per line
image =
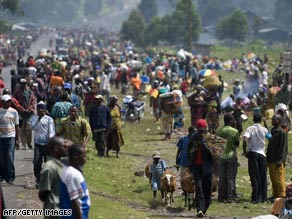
<point x="168" y="186"/>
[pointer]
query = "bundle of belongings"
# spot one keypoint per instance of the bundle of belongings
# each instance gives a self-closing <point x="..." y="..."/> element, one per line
<point x="171" y="102"/>
<point x="212" y="82"/>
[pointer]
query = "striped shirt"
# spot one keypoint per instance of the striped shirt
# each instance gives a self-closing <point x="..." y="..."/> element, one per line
<point x="8" y="120"/>
<point x="157" y="171"/>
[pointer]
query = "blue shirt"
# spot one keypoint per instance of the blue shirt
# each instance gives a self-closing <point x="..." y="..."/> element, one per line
<point x="182" y="145"/>
<point x="72" y="187"/>
<point x="99" y="118"/>
<point x="75" y="100"/>
<point x="43" y="129"/>
<point x="145" y="79"/>
<point x="157" y="171"/>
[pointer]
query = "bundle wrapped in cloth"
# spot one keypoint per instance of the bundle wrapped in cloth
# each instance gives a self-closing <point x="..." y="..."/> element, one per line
<point x="216" y="144"/>
<point x="171" y="102"/>
<point x="212" y="82"/>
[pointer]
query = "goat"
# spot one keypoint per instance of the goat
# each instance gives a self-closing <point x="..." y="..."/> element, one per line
<point x="188" y="186"/>
<point x="147" y="171"/>
<point x="215" y="182"/>
<point x="168" y="186"/>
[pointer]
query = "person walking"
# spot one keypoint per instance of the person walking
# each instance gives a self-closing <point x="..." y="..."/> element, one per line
<point x="50" y="174"/>
<point x="254" y="149"/>
<point x="156" y="171"/>
<point x="27" y="100"/>
<point x="61" y="109"/>
<point x="228" y="162"/>
<point x="114" y="136"/>
<point x="74" y="127"/>
<point x="201" y="166"/>
<point x="74" y="192"/>
<point x="9" y="139"/>
<point x="105" y="87"/>
<point x="182" y="159"/>
<point x="276" y="156"/>
<point x="74" y="99"/>
<point x="100" y="121"/>
<point x="43" y="128"/>
<point x="136" y="83"/>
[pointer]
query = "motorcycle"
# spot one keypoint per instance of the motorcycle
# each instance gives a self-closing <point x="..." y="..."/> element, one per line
<point x="132" y="110"/>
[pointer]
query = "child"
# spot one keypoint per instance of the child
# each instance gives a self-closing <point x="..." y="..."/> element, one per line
<point x="286" y="211"/>
<point x="184" y="87"/>
<point x="178" y="118"/>
<point x="156" y="171"/>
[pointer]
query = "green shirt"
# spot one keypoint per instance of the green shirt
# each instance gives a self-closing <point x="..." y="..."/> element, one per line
<point x="50" y="182"/>
<point x="74" y="131"/>
<point x="231" y="136"/>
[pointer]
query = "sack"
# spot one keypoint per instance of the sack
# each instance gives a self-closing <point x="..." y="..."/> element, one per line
<point x="170" y="102"/>
<point x="212" y="82"/>
<point x="216" y="145"/>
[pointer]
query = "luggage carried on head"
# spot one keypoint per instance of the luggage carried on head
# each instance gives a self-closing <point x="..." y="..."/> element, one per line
<point x="170" y="102"/>
<point x="212" y="82"/>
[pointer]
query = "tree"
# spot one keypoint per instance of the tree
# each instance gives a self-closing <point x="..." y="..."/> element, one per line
<point x="11" y="5"/>
<point x="153" y="31"/>
<point x="233" y="27"/>
<point x="133" y="28"/>
<point x="212" y="10"/>
<point x="189" y="22"/>
<point x="283" y="11"/>
<point x="148" y="9"/>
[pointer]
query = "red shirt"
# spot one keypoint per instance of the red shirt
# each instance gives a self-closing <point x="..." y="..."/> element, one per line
<point x="199" y="157"/>
<point x="184" y="86"/>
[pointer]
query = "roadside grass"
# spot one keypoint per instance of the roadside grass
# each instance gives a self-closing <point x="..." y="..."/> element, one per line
<point x="256" y="47"/>
<point x="104" y="208"/>
<point x="116" y="192"/>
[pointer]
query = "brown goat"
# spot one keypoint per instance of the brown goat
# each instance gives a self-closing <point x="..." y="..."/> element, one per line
<point x="168" y="186"/>
<point x="147" y="171"/>
<point x="188" y="186"/>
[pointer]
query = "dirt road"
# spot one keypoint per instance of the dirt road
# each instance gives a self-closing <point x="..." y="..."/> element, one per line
<point x="23" y="194"/>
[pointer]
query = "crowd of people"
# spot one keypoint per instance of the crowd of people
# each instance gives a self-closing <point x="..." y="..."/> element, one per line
<point x="52" y="94"/>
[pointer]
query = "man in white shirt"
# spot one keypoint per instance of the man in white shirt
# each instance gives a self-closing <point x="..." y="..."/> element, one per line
<point x="44" y="128"/>
<point x="105" y="86"/>
<point x="254" y="137"/>
<point x="265" y="77"/>
<point x="9" y="139"/>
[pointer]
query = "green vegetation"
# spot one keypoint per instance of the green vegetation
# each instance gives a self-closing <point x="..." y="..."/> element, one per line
<point x="11" y="5"/>
<point x="133" y="28"/>
<point x="232" y="27"/>
<point x="181" y="27"/>
<point x="212" y="10"/>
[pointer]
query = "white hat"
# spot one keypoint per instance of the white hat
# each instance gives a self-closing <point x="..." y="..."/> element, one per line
<point x="22" y="80"/>
<point x="98" y="97"/>
<point x="5" y="97"/>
